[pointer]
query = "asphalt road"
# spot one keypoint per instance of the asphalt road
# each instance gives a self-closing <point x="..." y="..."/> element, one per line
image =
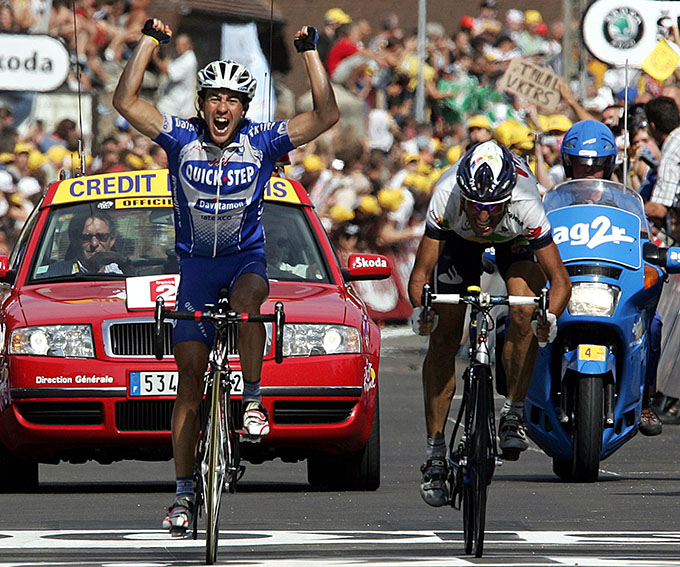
<point x="110" y="515"/>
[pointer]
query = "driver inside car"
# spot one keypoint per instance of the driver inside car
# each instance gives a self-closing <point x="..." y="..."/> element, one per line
<point x="93" y="237"/>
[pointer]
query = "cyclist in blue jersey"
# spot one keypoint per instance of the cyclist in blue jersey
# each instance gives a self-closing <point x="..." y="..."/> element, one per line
<point x="219" y="163"/>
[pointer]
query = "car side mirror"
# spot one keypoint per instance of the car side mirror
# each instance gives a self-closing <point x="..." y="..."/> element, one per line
<point x="367" y="267"/>
<point x="668" y="258"/>
<point x="6" y="275"/>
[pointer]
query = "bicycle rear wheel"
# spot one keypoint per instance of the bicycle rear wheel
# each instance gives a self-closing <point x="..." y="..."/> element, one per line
<point x="214" y="467"/>
<point x="478" y="468"/>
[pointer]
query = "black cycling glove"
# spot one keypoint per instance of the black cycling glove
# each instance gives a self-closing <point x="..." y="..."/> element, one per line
<point x="159" y="36"/>
<point x="308" y="42"/>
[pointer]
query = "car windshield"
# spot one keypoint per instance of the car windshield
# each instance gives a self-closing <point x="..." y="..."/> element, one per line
<point x="101" y="241"/>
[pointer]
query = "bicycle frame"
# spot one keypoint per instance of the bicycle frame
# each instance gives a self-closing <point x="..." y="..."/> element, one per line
<point x="217" y="461"/>
<point x="473" y="458"/>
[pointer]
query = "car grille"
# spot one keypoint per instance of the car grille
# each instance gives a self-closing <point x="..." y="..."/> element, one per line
<point x="155" y="415"/>
<point x="293" y="412"/>
<point x="62" y="413"/>
<point x="136" y="339"/>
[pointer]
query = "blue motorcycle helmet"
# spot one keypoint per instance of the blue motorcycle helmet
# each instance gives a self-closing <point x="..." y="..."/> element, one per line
<point x="591" y="143"/>
<point x="487" y="173"/>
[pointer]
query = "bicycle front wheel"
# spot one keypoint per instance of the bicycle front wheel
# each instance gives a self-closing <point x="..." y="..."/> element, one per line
<point x="480" y="459"/>
<point x="214" y="467"/>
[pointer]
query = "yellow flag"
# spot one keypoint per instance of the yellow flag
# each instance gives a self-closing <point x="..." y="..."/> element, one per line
<point x="661" y="62"/>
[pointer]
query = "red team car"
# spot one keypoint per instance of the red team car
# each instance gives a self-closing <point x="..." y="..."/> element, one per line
<point x="79" y="381"/>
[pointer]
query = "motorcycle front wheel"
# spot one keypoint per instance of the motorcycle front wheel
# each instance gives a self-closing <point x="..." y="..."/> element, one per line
<point x="587" y="433"/>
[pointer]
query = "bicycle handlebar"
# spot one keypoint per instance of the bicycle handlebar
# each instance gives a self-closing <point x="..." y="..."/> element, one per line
<point x="485" y="300"/>
<point x="210" y="316"/>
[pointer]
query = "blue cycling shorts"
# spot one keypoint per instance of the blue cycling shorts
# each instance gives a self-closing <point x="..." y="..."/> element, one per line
<point x="200" y="282"/>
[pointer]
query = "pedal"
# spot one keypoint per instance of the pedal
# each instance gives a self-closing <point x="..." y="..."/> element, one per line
<point x="177" y="531"/>
<point x="510" y="455"/>
<point x="245" y="438"/>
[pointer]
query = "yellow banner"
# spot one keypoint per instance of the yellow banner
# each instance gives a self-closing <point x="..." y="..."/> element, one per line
<point x="279" y="189"/>
<point x="143" y="183"/>
<point x="145" y="188"/>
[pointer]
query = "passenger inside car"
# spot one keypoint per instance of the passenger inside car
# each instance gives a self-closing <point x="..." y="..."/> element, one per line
<point x="281" y="246"/>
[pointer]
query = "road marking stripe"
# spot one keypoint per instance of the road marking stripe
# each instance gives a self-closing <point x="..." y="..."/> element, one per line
<point x="149" y="539"/>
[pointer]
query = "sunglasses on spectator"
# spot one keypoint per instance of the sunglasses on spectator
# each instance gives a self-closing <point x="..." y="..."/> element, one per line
<point x="102" y="237"/>
<point x="489" y="208"/>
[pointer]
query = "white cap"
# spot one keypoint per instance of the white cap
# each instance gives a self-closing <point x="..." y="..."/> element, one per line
<point x="514" y="15"/>
<point x="29" y="186"/>
<point x="6" y="182"/>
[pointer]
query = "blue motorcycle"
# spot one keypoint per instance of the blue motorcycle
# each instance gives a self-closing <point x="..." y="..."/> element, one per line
<point x="586" y="393"/>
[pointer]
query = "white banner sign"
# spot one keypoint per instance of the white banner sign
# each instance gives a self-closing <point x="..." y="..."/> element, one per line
<point x="241" y="44"/>
<point x="37" y="63"/>
<point x="618" y="30"/>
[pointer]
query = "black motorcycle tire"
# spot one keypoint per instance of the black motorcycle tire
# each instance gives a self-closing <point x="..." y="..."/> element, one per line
<point x="587" y="433"/>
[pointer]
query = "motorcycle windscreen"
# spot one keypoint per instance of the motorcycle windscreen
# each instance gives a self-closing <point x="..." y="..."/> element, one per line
<point x="597" y="232"/>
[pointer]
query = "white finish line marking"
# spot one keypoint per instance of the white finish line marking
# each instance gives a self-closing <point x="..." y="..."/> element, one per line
<point x="150" y="539"/>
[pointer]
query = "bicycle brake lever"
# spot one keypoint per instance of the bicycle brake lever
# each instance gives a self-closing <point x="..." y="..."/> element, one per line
<point x="279" y="322"/>
<point x="426" y="301"/>
<point x="543" y="306"/>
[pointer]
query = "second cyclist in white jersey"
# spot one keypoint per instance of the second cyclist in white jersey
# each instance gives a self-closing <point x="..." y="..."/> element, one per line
<point x="488" y="198"/>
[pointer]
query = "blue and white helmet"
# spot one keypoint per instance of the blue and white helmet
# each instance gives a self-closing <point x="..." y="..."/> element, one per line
<point x="227" y="74"/>
<point x="487" y="173"/>
<point x="589" y="142"/>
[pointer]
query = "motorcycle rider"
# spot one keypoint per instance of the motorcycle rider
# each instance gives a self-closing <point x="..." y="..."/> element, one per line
<point x="488" y="198"/>
<point x="589" y="152"/>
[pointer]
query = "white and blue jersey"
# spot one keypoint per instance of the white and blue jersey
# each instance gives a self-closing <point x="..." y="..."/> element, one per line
<point x="218" y="192"/>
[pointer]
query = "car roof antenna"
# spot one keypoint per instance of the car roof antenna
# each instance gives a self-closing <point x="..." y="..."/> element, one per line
<point x="81" y="151"/>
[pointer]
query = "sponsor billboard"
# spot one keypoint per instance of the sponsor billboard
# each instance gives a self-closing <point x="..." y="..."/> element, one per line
<point x="37" y="63"/>
<point x="616" y="31"/>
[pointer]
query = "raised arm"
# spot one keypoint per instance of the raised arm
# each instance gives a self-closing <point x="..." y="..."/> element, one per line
<point x="141" y="114"/>
<point x="306" y="126"/>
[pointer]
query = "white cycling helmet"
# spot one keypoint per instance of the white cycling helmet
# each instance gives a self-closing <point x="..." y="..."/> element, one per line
<point x="227" y="74"/>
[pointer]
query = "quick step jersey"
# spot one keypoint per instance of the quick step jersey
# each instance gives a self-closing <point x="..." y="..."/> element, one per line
<point x="218" y="192"/>
<point x="524" y="216"/>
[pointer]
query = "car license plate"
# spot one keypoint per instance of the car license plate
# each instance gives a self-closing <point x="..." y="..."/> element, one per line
<point x="153" y="383"/>
<point x="165" y="383"/>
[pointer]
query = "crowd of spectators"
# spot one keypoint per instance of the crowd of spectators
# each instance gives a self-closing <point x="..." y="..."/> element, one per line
<point x="370" y="183"/>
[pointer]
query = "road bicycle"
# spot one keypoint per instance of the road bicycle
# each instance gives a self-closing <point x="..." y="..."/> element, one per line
<point x="217" y="466"/>
<point x="474" y="457"/>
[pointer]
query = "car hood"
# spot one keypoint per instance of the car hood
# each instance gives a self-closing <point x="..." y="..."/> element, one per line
<point x="83" y="302"/>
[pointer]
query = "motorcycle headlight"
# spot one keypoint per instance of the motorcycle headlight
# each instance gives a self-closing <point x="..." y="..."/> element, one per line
<point x="310" y="339"/>
<point x="591" y="298"/>
<point x="53" y="340"/>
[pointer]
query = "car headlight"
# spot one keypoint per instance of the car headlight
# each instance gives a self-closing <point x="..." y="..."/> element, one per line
<point x="309" y="340"/>
<point x="53" y="340"/>
<point x="597" y="299"/>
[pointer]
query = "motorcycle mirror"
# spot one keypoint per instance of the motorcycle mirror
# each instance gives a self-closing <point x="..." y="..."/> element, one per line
<point x="668" y="258"/>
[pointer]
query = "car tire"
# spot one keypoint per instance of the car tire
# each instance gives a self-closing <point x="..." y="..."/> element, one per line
<point x="359" y="470"/>
<point x="17" y="473"/>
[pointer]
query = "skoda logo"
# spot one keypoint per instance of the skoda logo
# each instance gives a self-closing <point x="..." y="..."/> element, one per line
<point x="623" y="28"/>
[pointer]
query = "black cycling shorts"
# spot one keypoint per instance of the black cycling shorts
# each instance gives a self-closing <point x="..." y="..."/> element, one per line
<point x="460" y="264"/>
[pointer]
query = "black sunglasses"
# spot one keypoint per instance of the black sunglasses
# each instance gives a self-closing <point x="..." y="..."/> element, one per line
<point x="103" y="237"/>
